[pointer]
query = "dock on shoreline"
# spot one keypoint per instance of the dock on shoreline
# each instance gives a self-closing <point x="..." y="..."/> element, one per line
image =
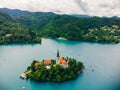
<point x="24" y="75"/>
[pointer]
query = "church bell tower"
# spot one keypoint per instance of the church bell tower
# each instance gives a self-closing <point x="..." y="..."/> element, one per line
<point x="58" y="56"/>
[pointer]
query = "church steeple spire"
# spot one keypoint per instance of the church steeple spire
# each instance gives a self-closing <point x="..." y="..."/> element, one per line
<point x="58" y="56"/>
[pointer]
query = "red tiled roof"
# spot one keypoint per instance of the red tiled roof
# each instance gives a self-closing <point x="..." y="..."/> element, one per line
<point x="37" y="64"/>
<point x="61" y="60"/>
<point x="64" y="62"/>
<point x="47" y="62"/>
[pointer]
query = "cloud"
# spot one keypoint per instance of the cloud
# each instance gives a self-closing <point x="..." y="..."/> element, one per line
<point x="90" y="7"/>
<point x="82" y="5"/>
<point x="104" y="7"/>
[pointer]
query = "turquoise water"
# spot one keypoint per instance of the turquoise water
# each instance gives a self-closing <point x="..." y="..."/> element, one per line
<point x="104" y="59"/>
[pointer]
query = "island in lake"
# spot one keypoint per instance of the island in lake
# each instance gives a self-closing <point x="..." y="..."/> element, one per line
<point x="58" y="70"/>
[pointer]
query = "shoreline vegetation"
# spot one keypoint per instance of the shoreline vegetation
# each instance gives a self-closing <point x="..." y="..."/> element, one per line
<point x="31" y="27"/>
<point x="104" y="34"/>
<point x="54" y="70"/>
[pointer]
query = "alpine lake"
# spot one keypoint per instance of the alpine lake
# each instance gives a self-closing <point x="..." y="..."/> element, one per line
<point x="101" y="61"/>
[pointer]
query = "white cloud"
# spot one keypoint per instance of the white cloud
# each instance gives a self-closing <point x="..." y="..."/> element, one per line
<point x="104" y="7"/>
<point x="91" y="7"/>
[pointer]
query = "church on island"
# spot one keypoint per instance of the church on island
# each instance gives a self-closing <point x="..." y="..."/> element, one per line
<point x="55" y="70"/>
<point x="59" y="60"/>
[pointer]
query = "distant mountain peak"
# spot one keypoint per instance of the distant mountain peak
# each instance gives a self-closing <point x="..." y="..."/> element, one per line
<point x="17" y="12"/>
<point x="80" y="15"/>
<point x="14" y="12"/>
<point x="4" y="17"/>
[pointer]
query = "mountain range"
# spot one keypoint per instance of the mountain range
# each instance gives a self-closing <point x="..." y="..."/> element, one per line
<point x="48" y="24"/>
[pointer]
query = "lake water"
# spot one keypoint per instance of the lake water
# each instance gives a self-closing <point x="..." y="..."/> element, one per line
<point x="102" y="65"/>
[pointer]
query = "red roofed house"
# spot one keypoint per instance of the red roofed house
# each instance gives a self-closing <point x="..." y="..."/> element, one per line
<point x="47" y="62"/>
<point x="37" y="64"/>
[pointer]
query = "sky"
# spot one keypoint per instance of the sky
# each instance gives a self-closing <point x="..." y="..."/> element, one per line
<point x="89" y="7"/>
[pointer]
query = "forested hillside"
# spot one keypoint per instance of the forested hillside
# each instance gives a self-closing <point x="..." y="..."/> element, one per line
<point x="12" y="32"/>
<point x="50" y="25"/>
<point x="84" y="29"/>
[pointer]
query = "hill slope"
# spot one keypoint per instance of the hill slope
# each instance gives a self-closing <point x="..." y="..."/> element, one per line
<point x="33" y="20"/>
<point x="4" y="17"/>
<point x="93" y="29"/>
<point x="13" y="32"/>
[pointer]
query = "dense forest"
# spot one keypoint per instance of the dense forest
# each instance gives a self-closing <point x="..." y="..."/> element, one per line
<point x="70" y="27"/>
<point x="13" y="32"/>
<point x="56" y="72"/>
